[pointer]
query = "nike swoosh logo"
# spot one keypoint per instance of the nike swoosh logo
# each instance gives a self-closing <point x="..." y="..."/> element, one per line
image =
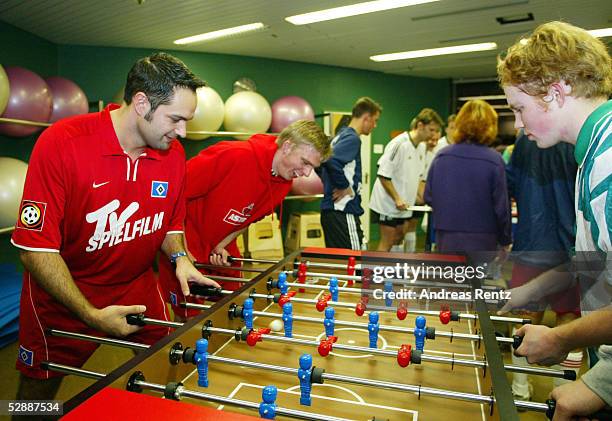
<point x="95" y="186"/>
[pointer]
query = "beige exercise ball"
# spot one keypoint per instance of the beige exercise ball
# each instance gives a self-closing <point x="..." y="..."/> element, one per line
<point x="247" y="112"/>
<point x="12" y="177"/>
<point x="208" y="115"/>
<point x="4" y="89"/>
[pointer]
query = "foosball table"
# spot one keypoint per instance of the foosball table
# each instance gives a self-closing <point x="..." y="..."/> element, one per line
<point x="318" y="336"/>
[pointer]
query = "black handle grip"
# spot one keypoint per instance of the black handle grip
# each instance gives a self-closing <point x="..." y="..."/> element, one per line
<point x="601" y="415"/>
<point x="204" y="290"/>
<point x="518" y="340"/>
<point x="136" y="319"/>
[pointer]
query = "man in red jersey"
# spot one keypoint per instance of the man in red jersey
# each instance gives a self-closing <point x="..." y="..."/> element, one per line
<point x="233" y="184"/>
<point x="103" y="193"/>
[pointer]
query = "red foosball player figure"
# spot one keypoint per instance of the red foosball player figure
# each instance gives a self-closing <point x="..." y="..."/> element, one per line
<point x="445" y="314"/>
<point x="254" y="336"/>
<point x="361" y="306"/>
<point x="403" y="355"/>
<point x="350" y="270"/>
<point x="322" y="303"/>
<point x="302" y="268"/>
<point x="326" y="345"/>
<point x="402" y="310"/>
<point x="285" y="298"/>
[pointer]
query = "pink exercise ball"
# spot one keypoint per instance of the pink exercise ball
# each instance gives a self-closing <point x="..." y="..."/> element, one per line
<point x="288" y="109"/>
<point x="29" y="99"/>
<point x="307" y="185"/>
<point x="68" y="98"/>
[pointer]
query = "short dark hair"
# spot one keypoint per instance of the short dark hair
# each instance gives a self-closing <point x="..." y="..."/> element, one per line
<point x="157" y="76"/>
<point x="427" y="116"/>
<point x="366" y="105"/>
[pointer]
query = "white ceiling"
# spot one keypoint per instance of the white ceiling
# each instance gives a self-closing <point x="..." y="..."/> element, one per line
<point x="347" y="42"/>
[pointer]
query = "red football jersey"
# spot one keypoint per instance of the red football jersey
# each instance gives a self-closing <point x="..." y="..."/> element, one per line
<point x="230" y="185"/>
<point x="104" y="213"/>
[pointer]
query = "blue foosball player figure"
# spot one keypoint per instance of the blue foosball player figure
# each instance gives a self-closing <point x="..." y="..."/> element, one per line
<point x="388" y="287"/>
<point x="267" y="408"/>
<point x="282" y="283"/>
<point x="288" y="319"/>
<point x="201" y="360"/>
<point x="305" y="376"/>
<point x="329" y="321"/>
<point x="419" y="333"/>
<point x="373" y="328"/>
<point x="247" y="313"/>
<point x="333" y="288"/>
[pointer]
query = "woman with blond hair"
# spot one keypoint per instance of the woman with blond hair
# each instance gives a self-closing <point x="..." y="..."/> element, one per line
<point x="466" y="186"/>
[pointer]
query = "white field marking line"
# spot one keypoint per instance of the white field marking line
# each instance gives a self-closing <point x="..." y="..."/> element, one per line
<point x="329" y="398"/>
<point x="383" y="340"/>
<point x="231" y="339"/>
<point x="232" y="394"/>
<point x="476" y="369"/>
<point x="335" y="386"/>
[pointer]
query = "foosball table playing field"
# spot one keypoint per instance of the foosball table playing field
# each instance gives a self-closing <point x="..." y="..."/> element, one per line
<point x="321" y="335"/>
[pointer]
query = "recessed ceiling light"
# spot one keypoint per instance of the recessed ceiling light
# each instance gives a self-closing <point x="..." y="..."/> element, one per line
<point x="458" y="49"/>
<point x="352" y="10"/>
<point x="601" y="33"/>
<point x="222" y="33"/>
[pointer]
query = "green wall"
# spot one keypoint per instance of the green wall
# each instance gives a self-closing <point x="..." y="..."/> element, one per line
<point x="23" y="49"/>
<point x="101" y="71"/>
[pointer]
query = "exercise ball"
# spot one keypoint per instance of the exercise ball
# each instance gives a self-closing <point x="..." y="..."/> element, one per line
<point x="29" y="99"/>
<point x="288" y="109"/>
<point x="307" y="185"/>
<point x="4" y="89"/>
<point x="12" y="177"/>
<point x="68" y="98"/>
<point x="247" y="112"/>
<point x="208" y="115"/>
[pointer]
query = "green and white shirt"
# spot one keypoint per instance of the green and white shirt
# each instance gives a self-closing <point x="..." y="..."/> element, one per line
<point x="593" y="223"/>
<point x="594" y="182"/>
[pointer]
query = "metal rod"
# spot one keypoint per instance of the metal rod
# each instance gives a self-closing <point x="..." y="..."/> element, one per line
<point x="343" y="304"/>
<point x="393" y="281"/>
<point x="252" y="364"/>
<point x="97" y="339"/>
<point x="424" y="357"/>
<point x="240" y="268"/>
<point x="73" y="370"/>
<point x="181" y="392"/>
<point x="219" y="133"/>
<point x="532" y="406"/>
<point x="389" y="328"/>
<point x="7" y="230"/>
<point x="304" y="196"/>
<point x="245" y="260"/>
<point x="164" y="323"/>
<point x="228" y="278"/>
<point x="329" y="275"/>
<point x="472" y="397"/>
<point x="24" y="122"/>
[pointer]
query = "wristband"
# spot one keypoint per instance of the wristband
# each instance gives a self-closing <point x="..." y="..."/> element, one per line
<point x="176" y="255"/>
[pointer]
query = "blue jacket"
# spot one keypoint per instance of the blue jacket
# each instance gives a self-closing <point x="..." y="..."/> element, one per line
<point x="342" y="170"/>
<point x="542" y="183"/>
